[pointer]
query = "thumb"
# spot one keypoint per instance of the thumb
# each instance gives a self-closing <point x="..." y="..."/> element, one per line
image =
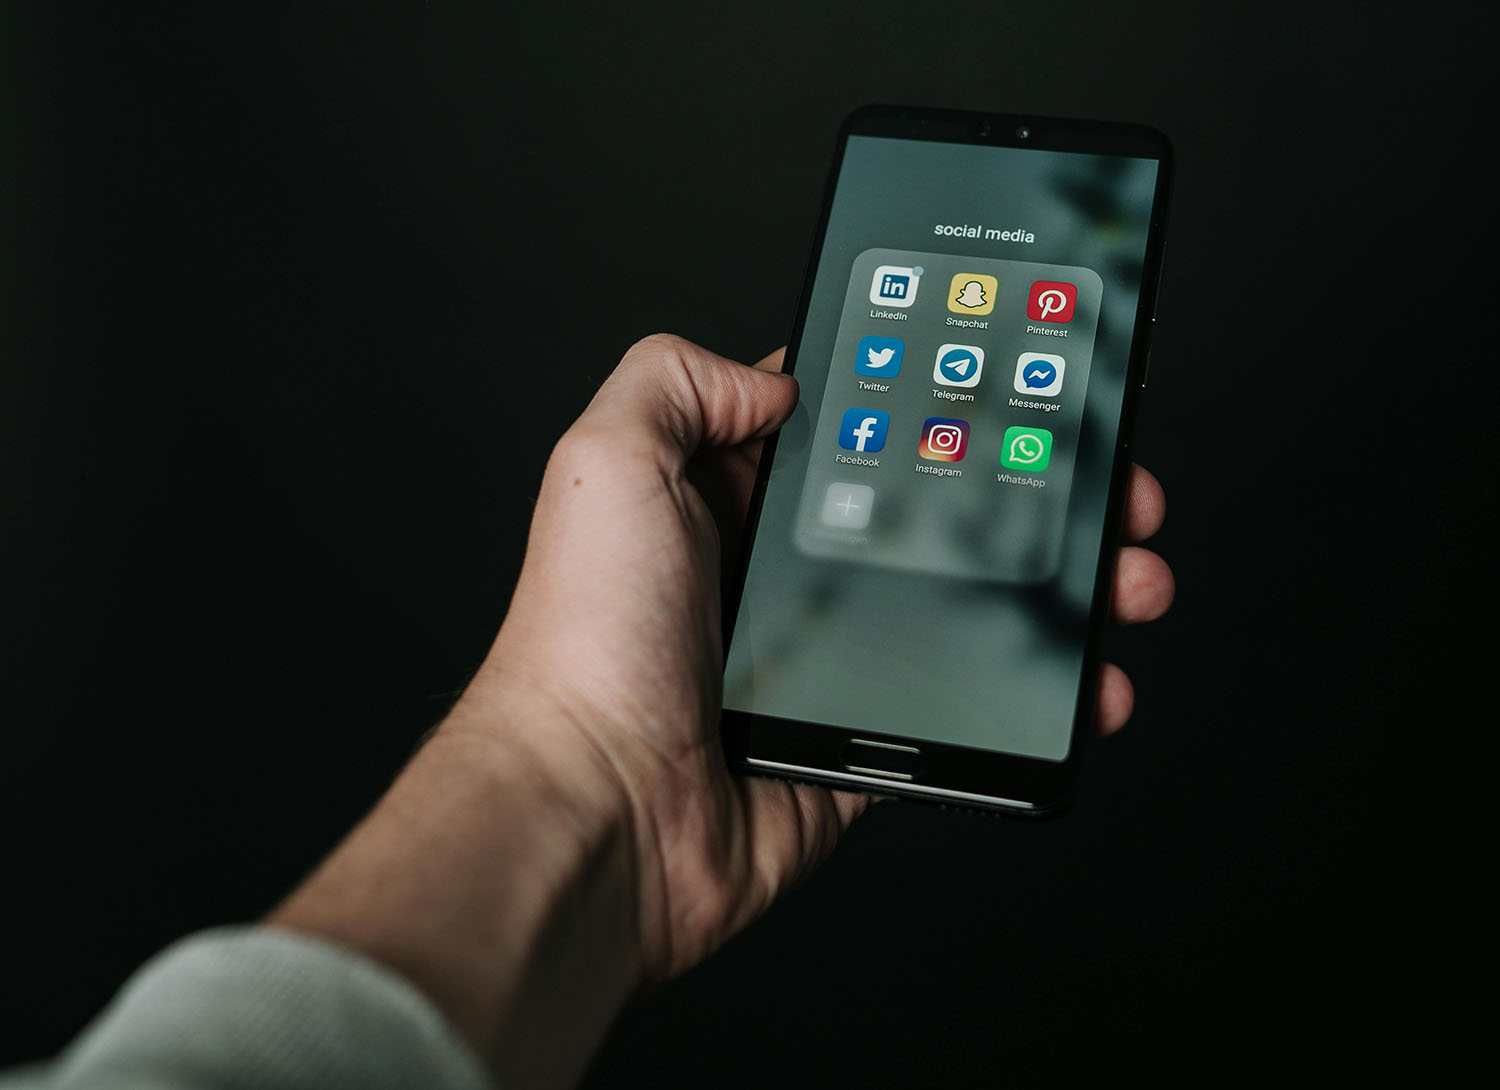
<point x="676" y="394"/>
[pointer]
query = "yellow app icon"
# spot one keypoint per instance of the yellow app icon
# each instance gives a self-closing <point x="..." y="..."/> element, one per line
<point x="972" y="293"/>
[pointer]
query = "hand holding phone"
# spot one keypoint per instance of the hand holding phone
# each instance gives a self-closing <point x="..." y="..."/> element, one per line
<point x="613" y="639"/>
<point x="572" y="832"/>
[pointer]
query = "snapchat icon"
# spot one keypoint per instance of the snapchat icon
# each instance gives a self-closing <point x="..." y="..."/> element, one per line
<point x="972" y="293"/>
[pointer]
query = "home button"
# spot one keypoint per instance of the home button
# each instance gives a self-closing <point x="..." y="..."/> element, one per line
<point x="881" y="759"/>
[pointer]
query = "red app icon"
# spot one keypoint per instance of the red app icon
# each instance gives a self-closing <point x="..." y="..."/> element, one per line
<point x="1051" y="301"/>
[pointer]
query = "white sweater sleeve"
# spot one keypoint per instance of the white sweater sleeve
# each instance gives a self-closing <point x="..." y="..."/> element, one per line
<point x="260" y="1007"/>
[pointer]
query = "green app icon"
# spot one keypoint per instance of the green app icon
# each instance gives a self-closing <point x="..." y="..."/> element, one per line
<point x="1029" y="449"/>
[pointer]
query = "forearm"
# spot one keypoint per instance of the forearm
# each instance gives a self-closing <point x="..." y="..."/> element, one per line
<point x="261" y="1006"/>
<point x="497" y="876"/>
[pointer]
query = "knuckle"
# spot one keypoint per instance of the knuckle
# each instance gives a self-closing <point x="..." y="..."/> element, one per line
<point x="656" y="346"/>
<point x="665" y="360"/>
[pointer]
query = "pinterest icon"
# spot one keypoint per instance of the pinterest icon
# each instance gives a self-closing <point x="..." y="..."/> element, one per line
<point x="1051" y="301"/>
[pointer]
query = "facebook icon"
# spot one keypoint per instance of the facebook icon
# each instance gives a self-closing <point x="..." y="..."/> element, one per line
<point x="895" y="285"/>
<point x="864" y="430"/>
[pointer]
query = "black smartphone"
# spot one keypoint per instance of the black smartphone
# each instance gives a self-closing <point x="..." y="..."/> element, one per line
<point x="932" y="537"/>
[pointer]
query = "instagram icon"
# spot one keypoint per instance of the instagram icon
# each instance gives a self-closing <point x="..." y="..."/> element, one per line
<point x="944" y="440"/>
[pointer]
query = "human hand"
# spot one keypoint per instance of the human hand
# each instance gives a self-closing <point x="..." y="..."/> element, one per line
<point x="572" y="831"/>
<point x="615" y="631"/>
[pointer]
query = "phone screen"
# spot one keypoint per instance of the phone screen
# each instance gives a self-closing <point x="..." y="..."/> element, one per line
<point x="928" y="540"/>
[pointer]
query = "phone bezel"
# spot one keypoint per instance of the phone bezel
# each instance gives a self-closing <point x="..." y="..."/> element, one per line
<point x="953" y="774"/>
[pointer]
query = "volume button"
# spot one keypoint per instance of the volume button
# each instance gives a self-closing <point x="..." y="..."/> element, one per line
<point x="1161" y="267"/>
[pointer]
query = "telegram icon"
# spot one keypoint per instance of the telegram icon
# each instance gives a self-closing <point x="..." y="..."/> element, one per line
<point x="958" y="365"/>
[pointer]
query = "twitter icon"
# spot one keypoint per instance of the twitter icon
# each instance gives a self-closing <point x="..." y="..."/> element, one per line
<point x="879" y="357"/>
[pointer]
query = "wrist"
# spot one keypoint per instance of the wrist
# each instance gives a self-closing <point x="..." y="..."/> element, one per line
<point x="499" y="875"/>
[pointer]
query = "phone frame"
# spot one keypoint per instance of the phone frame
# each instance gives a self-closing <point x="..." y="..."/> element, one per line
<point x="919" y="769"/>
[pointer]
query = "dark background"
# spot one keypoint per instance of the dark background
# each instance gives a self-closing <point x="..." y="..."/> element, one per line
<point x="295" y="303"/>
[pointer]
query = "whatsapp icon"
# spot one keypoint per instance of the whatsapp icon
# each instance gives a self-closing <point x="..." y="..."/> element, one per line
<point x="1029" y="449"/>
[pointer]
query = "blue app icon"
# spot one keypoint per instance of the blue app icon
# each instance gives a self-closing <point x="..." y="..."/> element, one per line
<point x="958" y="365"/>
<point x="895" y="285"/>
<point x="864" y="430"/>
<point x="1040" y="373"/>
<point x="879" y="357"/>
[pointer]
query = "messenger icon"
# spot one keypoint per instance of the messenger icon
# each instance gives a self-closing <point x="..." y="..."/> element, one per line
<point x="1039" y="374"/>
